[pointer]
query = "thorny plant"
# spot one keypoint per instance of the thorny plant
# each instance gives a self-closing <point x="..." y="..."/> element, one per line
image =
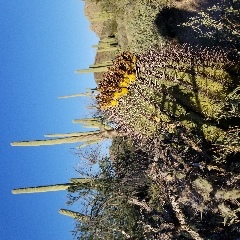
<point x="176" y="87"/>
<point x="117" y="80"/>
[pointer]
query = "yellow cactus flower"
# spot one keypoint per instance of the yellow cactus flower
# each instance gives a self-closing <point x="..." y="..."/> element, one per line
<point x="125" y="82"/>
<point x="124" y="91"/>
<point x="125" y="75"/>
<point x="132" y="77"/>
<point x="120" y="93"/>
<point x="114" y="103"/>
<point x="117" y="80"/>
<point x="117" y="95"/>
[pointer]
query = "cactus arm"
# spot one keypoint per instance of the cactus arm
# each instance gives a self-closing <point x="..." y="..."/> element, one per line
<point x="72" y="139"/>
<point x="75" y="215"/>
<point x="56" y="141"/>
<point x="90" y="123"/>
<point x="49" y="188"/>
<point x="80" y="180"/>
<point x="87" y="94"/>
<point x="90" y="143"/>
<point x="75" y="134"/>
<point x="93" y="70"/>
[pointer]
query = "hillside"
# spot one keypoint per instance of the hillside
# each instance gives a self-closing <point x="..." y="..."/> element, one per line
<point x="138" y="25"/>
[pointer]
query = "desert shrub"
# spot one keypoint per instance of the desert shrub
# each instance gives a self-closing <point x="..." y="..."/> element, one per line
<point x="111" y="206"/>
<point x="134" y="20"/>
<point x="139" y="23"/>
<point x="219" y="24"/>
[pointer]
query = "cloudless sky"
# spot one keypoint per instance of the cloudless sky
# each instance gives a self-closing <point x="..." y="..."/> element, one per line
<point x="43" y="42"/>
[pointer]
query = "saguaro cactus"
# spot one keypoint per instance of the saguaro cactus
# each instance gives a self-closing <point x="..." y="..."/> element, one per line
<point x="90" y="123"/>
<point x="101" y="17"/>
<point x="86" y="183"/>
<point x="87" y="94"/>
<point x="75" y="215"/>
<point x="49" y="188"/>
<point x="92" y="93"/>
<point x="93" y="70"/>
<point x="102" y="64"/>
<point x="71" y="138"/>
<point x="108" y="49"/>
<point x="89" y="137"/>
<point x="177" y="85"/>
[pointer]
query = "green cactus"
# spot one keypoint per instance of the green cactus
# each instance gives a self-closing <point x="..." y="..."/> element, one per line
<point x="49" y="188"/>
<point x="93" y="70"/>
<point x="85" y="182"/>
<point x="80" y="180"/>
<point x="89" y="143"/>
<point x="109" y="40"/>
<point x="75" y="134"/>
<point x="87" y="94"/>
<point x="178" y="84"/>
<point x="102" y="64"/>
<point x="75" y="215"/>
<point x="89" y="137"/>
<point x="90" y="123"/>
<point x="108" y="49"/>
<point x="96" y="135"/>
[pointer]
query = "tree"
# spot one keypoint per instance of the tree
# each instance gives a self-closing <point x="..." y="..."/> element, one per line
<point x="113" y="208"/>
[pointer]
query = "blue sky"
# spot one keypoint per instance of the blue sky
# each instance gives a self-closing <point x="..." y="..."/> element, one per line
<point x="43" y="42"/>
